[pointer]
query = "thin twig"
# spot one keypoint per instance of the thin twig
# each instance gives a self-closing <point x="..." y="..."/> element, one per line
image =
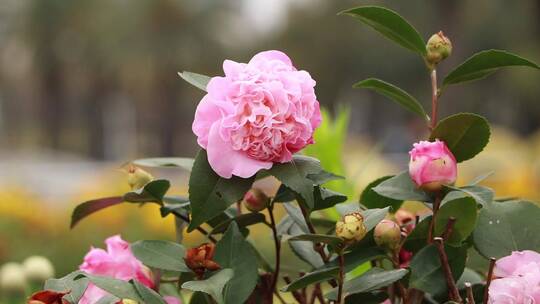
<point x="200" y="229"/>
<point x="318" y="247"/>
<point x="453" y="291"/>
<point x="449" y="228"/>
<point x="470" y="296"/>
<point x="489" y="278"/>
<point x="280" y="298"/>
<point x="295" y="293"/>
<point x="434" y="101"/>
<point x="277" y="245"/>
<point x="431" y="230"/>
<point x="341" y="278"/>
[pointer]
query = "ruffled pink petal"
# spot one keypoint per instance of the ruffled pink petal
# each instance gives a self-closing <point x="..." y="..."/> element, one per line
<point x="506" y="266"/>
<point x="271" y="55"/>
<point x="226" y="161"/>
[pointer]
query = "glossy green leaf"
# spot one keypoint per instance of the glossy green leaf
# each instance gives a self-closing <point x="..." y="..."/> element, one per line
<point x="242" y="220"/>
<point x="213" y="285"/>
<point x="483" y="64"/>
<point x="470" y="276"/>
<point x="211" y="194"/>
<point x="331" y="240"/>
<point x="317" y="276"/>
<point x="295" y="213"/>
<point x="482" y="195"/>
<point x="116" y="287"/>
<point x="181" y="162"/>
<point x="374" y="279"/>
<point x="465" y="212"/>
<point x="391" y="25"/>
<point x="393" y="92"/>
<point x="154" y="191"/>
<point x="426" y="270"/>
<point x="302" y="249"/>
<point x="148" y="296"/>
<point x="401" y="187"/>
<point x="465" y="134"/>
<point x="294" y="175"/>
<point x="326" y="198"/>
<point x="372" y="199"/>
<point x="508" y="226"/>
<point x="85" y="209"/>
<point x="108" y="299"/>
<point x="160" y="254"/>
<point x="323" y="177"/>
<point x="234" y="252"/>
<point x="76" y="288"/>
<point x="198" y="80"/>
<point x="373" y="216"/>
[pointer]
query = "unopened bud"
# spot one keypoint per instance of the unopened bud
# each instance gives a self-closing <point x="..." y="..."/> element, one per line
<point x="38" y="269"/>
<point x="432" y="165"/>
<point x="438" y="48"/>
<point x="387" y="234"/>
<point x="255" y="200"/>
<point x="12" y="278"/>
<point x="137" y="177"/>
<point x="129" y="301"/>
<point x="351" y="228"/>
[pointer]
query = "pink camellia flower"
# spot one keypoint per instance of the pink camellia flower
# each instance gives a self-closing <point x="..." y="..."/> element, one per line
<point x="432" y="165"/>
<point x="117" y="262"/>
<point x="516" y="263"/>
<point x="518" y="279"/>
<point x="260" y="113"/>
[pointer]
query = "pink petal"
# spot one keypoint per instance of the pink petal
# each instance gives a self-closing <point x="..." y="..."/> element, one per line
<point x="271" y="55"/>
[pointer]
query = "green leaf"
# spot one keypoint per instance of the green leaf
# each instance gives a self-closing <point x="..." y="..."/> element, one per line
<point x="417" y="239"/>
<point x="483" y="64"/>
<point x="154" y="192"/>
<point x="508" y="226"/>
<point x="234" y="252"/>
<point x="147" y="295"/>
<point x="198" y="80"/>
<point x="181" y="162"/>
<point x="372" y="199"/>
<point x="374" y="279"/>
<point x="294" y="175"/>
<point x="85" y="209"/>
<point x="401" y="187"/>
<point x="326" y="198"/>
<point x="465" y="212"/>
<point x="482" y="195"/>
<point x="119" y="288"/>
<point x="242" y="220"/>
<point x="427" y="273"/>
<point x="465" y="134"/>
<point x="373" y="216"/>
<point x="331" y="240"/>
<point x="76" y="288"/>
<point x="296" y="215"/>
<point x="213" y="285"/>
<point x="470" y="276"/>
<point x="480" y="178"/>
<point x="391" y="25"/>
<point x="211" y="194"/>
<point x="323" y="177"/>
<point x="160" y="254"/>
<point x="108" y="299"/>
<point x="393" y="92"/>
<point x="317" y="276"/>
<point x="302" y="249"/>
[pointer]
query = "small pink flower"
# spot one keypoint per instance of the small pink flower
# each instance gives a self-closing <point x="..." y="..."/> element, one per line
<point x="260" y="113"/>
<point x="516" y="262"/>
<point x="117" y="262"/>
<point x="432" y="165"/>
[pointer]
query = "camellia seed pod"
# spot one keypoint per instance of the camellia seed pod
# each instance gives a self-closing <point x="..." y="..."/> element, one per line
<point x="387" y="234"/>
<point x="351" y="228"/>
<point x="438" y="48"/>
<point x="255" y="200"/>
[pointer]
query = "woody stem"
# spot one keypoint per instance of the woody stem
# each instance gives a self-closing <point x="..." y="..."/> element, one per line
<point x="434" y="99"/>
<point x="277" y="245"/>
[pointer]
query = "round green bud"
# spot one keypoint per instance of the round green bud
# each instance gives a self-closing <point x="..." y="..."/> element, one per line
<point x="438" y="48"/>
<point x="387" y="234"/>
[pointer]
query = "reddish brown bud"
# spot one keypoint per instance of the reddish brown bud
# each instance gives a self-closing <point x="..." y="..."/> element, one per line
<point x="200" y="259"/>
<point x="255" y="200"/>
<point x="48" y="297"/>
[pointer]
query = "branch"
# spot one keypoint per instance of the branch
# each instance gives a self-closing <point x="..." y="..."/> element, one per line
<point x="449" y="228"/>
<point x="453" y="291"/>
<point x="277" y="244"/>
<point x="470" y="296"/>
<point x="489" y="278"/>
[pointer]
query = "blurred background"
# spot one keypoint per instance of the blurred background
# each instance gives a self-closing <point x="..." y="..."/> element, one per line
<point x="86" y="85"/>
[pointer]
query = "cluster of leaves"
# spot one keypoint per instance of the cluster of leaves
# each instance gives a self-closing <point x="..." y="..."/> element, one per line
<point x="482" y="223"/>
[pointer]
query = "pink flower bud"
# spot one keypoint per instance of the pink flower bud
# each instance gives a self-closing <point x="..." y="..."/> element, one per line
<point x="432" y="165"/>
<point x="255" y="200"/>
<point x="387" y="234"/>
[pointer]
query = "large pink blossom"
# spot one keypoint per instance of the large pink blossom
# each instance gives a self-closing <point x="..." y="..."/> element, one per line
<point x="432" y="164"/>
<point x="117" y="262"/>
<point x="518" y="279"/>
<point x="260" y="113"/>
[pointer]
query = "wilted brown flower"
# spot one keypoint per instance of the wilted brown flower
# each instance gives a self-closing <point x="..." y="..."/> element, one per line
<point x="200" y="259"/>
<point x="48" y="297"/>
